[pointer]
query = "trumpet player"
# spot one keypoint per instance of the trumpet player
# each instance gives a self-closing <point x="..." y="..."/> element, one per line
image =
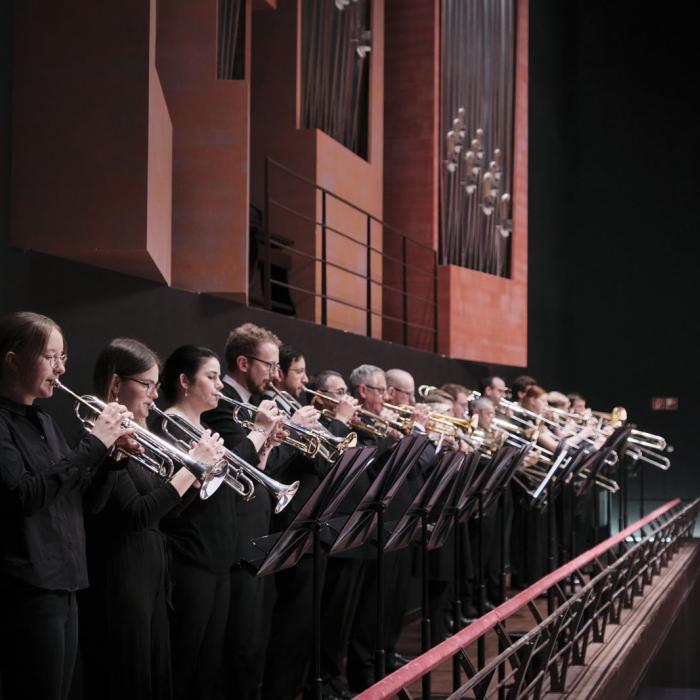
<point x="292" y="376"/>
<point x="203" y="538"/>
<point x="493" y="388"/>
<point x="42" y="538"/>
<point x="127" y="640"/>
<point x="373" y="387"/>
<point x="252" y="362"/>
<point x="291" y="633"/>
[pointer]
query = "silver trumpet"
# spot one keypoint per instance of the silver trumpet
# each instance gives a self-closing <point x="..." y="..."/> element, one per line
<point x="159" y="456"/>
<point x="239" y="473"/>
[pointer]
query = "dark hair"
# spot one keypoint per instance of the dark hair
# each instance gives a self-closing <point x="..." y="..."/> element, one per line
<point x="575" y="397"/>
<point x="521" y="383"/>
<point x="123" y="357"/>
<point x="288" y="354"/>
<point x="187" y="360"/>
<point x="244" y="340"/>
<point x="320" y="381"/>
<point x="487" y="382"/>
<point x="25" y="333"/>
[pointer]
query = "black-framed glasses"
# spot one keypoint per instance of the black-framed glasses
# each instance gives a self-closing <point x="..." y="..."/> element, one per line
<point x="150" y="387"/>
<point x="378" y="389"/>
<point x="53" y="360"/>
<point x="271" y="366"/>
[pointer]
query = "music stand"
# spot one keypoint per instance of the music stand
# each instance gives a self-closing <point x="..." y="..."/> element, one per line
<point x="368" y="518"/>
<point x="427" y="503"/>
<point x="283" y="550"/>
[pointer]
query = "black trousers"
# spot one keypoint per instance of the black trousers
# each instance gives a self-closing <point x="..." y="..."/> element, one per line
<point x="201" y="604"/>
<point x="290" y="649"/>
<point x="361" y="650"/>
<point x="38" y="642"/>
<point x="248" y="633"/>
<point x="341" y="595"/>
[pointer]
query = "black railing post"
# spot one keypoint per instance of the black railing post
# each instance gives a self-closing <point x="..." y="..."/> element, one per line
<point x="324" y="255"/>
<point x="267" y="264"/>
<point x="369" y="276"/>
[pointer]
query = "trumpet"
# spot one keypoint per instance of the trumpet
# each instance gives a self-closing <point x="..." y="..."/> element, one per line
<point x="425" y="389"/>
<point x="363" y="420"/>
<point x="159" y="456"/>
<point x="308" y="441"/>
<point x="614" y="418"/>
<point x="332" y="446"/>
<point x="440" y="423"/>
<point x="240" y="474"/>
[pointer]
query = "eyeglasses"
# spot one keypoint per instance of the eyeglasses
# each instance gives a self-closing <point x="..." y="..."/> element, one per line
<point x="271" y="366"/>
<point x="410" y="394"/>
<point x="378" y="389"/>
<point x="336" y="392"/>
<point x="150" y="387"/>
<point x="53" y="360"/>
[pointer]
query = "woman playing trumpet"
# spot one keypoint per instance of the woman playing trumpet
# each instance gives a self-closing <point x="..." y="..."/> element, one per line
<point x="203" y="538"/>
<point x="128" y="643"/>
<point x="42" y="540"/>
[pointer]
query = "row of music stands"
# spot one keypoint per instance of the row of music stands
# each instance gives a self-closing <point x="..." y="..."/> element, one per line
<point x="457" y="488"/>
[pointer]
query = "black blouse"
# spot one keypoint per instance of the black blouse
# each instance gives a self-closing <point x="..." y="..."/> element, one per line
<point x="42" y="538"/>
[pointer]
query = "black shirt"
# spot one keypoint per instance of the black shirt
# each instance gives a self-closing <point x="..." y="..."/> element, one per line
<point x="42" y="539"/>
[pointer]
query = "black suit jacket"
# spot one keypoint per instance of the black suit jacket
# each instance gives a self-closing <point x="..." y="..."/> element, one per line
<point x="253" y="516"/>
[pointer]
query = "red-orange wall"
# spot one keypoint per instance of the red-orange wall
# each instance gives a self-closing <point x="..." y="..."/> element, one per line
<point x="128" y="153"/>
<point x="276" y="133"/>
<point x="91" y="136"/>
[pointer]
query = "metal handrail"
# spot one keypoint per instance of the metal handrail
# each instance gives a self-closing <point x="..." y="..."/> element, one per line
<point x="562" y="637"/>
<point x="430" y="271"/>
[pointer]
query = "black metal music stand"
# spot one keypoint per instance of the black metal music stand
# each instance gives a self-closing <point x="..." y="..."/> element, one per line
<point x="283" y="550"/>
<point x="427" y="504"/>
<point x="368" y="519"/>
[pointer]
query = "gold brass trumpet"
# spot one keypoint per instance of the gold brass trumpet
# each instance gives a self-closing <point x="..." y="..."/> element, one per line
<point x="159" y="456"/>
<point x="331" y="446"/>
<point x="363" y="420"/>
<point x="240" y="474"/>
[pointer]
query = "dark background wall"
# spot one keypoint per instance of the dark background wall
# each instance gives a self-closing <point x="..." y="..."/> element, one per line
<point x="612" y="256"/>
<point x="613" y="215"/>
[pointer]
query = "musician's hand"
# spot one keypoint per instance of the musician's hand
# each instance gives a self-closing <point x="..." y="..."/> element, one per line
<point x="449" y="443"/>
<point x="345" y="410"/>
<point x="465" y="447"/>
<point x="421" y="414"/>
<point x="128" y="444"/>
<point x="277" y="436"/>
<point x="532" y="457"/>
<point x="210" y="448"/>
<point x="306" y="416"/>
<point x="267" y="416"/>
<point x="110" y="424"/>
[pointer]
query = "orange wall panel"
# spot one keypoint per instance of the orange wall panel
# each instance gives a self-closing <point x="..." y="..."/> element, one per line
<point x="210" y="151"/>
<point x="317" y="157"/>
<point x="91" y="136"/>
